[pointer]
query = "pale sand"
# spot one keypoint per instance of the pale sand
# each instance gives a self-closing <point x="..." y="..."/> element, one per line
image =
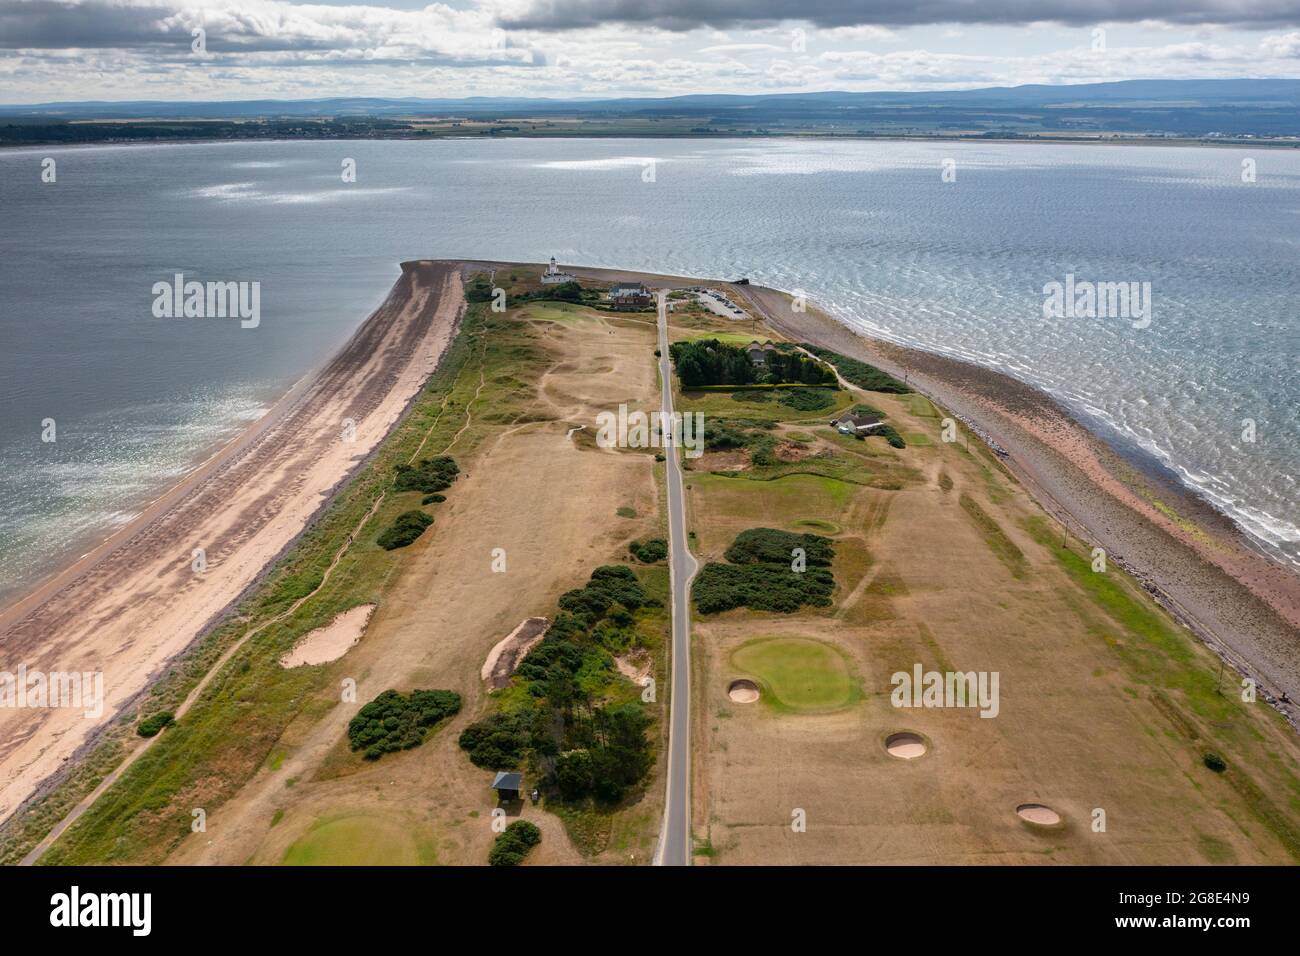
<point x="634" y="666"/>
<point x="511" y="649"/>
<point x="332" y="641"/>
<point x="905" y="745"/>
<point x="743" y="691"/>
<point x="1038" y="814"/>
<point x="134" y="603"/>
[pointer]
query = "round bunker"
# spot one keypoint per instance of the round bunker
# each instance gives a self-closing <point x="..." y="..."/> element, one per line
<point x="743" y="691"/>
<point x="1038" y="814"/>
<point x="906" y="745"/>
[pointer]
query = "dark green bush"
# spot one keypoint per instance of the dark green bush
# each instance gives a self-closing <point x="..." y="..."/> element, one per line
<point x="650" y="550"/>
<point x="712" y="362"/>
<point x="498" y="741"/>
<point x="433" y="499"/>
<point x="1215" y="762"/>
<point x="860" y="373"/>
<point x="408" y="526"/>
<point x="771" y="546"/>
<point x="154" y="723"/>
<point x="513" y="844"/>
<point x="807" y="399"/>
<point x="761" y="587"/>
<point x="430" y="475"/>
<point x="760" y="576"/>
<point x="394" y="722"/>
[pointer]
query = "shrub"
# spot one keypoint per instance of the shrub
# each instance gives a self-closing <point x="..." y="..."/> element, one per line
<point x="430" y="475"/>
<point x="650" y="550"/>
<point x="154" y="723"/>
<point x="393" y="721"/>
<point x="1215" y="762"/>
<point x="513" y="843"/>
<point x="807" y="399"/>
<point x="770" y="546"/>
<point x="889" y="434"/>
<point x="761" y="587"/>
<point x="498" y="741"/>
<point x="480" y="290"/>
<point x="860" y="373"/>
<point x="408" y="526"/>
<point x="759" y="575"/>
<point x="712" y="362"/>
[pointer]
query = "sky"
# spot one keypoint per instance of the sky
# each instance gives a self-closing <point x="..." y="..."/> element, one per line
<point x="69" y="50"/>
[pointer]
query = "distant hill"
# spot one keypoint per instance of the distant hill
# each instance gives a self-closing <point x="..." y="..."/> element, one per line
<point x="1131" y="108"/>
<point x="1182" y="93"/>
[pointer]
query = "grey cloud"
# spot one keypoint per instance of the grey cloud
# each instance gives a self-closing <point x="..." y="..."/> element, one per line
<point x="688" y="14"/>
<point x="257" y="34"/>
<point x="46" y="25"/>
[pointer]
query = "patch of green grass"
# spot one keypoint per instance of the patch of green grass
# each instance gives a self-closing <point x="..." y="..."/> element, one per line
<point x="798" y="675"/>
<point x="1003" y="547"/>
<point x="361" y="841"/>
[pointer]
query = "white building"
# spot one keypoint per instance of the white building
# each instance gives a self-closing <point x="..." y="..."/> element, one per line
<point x="553" y="275"/>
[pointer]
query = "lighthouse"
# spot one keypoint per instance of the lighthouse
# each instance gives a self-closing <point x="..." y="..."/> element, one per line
<point x="553" y="275"/>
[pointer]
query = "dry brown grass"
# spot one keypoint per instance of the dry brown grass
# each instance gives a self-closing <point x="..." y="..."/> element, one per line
<point x="550" y="503"/>
<point x="1085" y="699"/>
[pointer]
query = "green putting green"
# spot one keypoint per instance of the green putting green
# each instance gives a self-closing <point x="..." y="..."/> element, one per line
<point x="360" y="841"/>
<point x="798" y="674"/>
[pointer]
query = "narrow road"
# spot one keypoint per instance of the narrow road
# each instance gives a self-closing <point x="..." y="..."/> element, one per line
<point x="675" y="837"/>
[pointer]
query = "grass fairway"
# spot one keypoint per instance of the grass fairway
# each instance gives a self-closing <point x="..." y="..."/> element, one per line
<point x="799" y="675"/>
<point x="360" y="841"/>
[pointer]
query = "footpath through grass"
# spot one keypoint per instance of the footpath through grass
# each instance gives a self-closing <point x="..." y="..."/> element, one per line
<point x="230" y="730"/>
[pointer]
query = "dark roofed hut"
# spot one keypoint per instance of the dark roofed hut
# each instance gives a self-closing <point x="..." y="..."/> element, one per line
<point x="507" y="786"/>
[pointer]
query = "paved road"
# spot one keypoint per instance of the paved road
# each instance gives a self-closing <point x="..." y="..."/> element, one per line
<point x="675" y="837"/>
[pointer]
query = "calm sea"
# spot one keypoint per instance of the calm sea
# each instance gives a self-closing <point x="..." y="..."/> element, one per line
<point x="870" y="230"/>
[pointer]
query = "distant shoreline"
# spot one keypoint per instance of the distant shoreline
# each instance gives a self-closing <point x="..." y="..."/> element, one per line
<point x="1109" y="140"/>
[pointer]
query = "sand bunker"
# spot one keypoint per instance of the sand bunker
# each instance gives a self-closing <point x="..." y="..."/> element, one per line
<point x="907" y="746"/>
<point x="511" y="649"/>
<point x="743" y="691"/>
<point x="1038" y="814"/>
<point x="332" y="641"/>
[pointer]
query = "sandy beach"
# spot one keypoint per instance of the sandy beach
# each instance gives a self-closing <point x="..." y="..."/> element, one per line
<point x="135" y="602"/>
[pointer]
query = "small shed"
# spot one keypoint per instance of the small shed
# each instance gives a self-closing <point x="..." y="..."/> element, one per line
<point x="508" y="785"/>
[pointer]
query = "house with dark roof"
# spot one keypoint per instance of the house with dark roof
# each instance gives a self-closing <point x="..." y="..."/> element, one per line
<point x="857" y="424"/>
<point x="758" y="352"/>
<point x="630" y="296"/>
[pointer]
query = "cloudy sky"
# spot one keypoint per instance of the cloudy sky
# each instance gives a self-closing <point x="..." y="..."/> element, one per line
<point x="54" y="50"/>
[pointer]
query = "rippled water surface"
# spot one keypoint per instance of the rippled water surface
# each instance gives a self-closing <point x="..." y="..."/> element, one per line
<point x="868" y="229"/>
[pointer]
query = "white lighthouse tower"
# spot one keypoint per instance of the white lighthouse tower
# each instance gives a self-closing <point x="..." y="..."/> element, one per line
<point x="553" y="275"/>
